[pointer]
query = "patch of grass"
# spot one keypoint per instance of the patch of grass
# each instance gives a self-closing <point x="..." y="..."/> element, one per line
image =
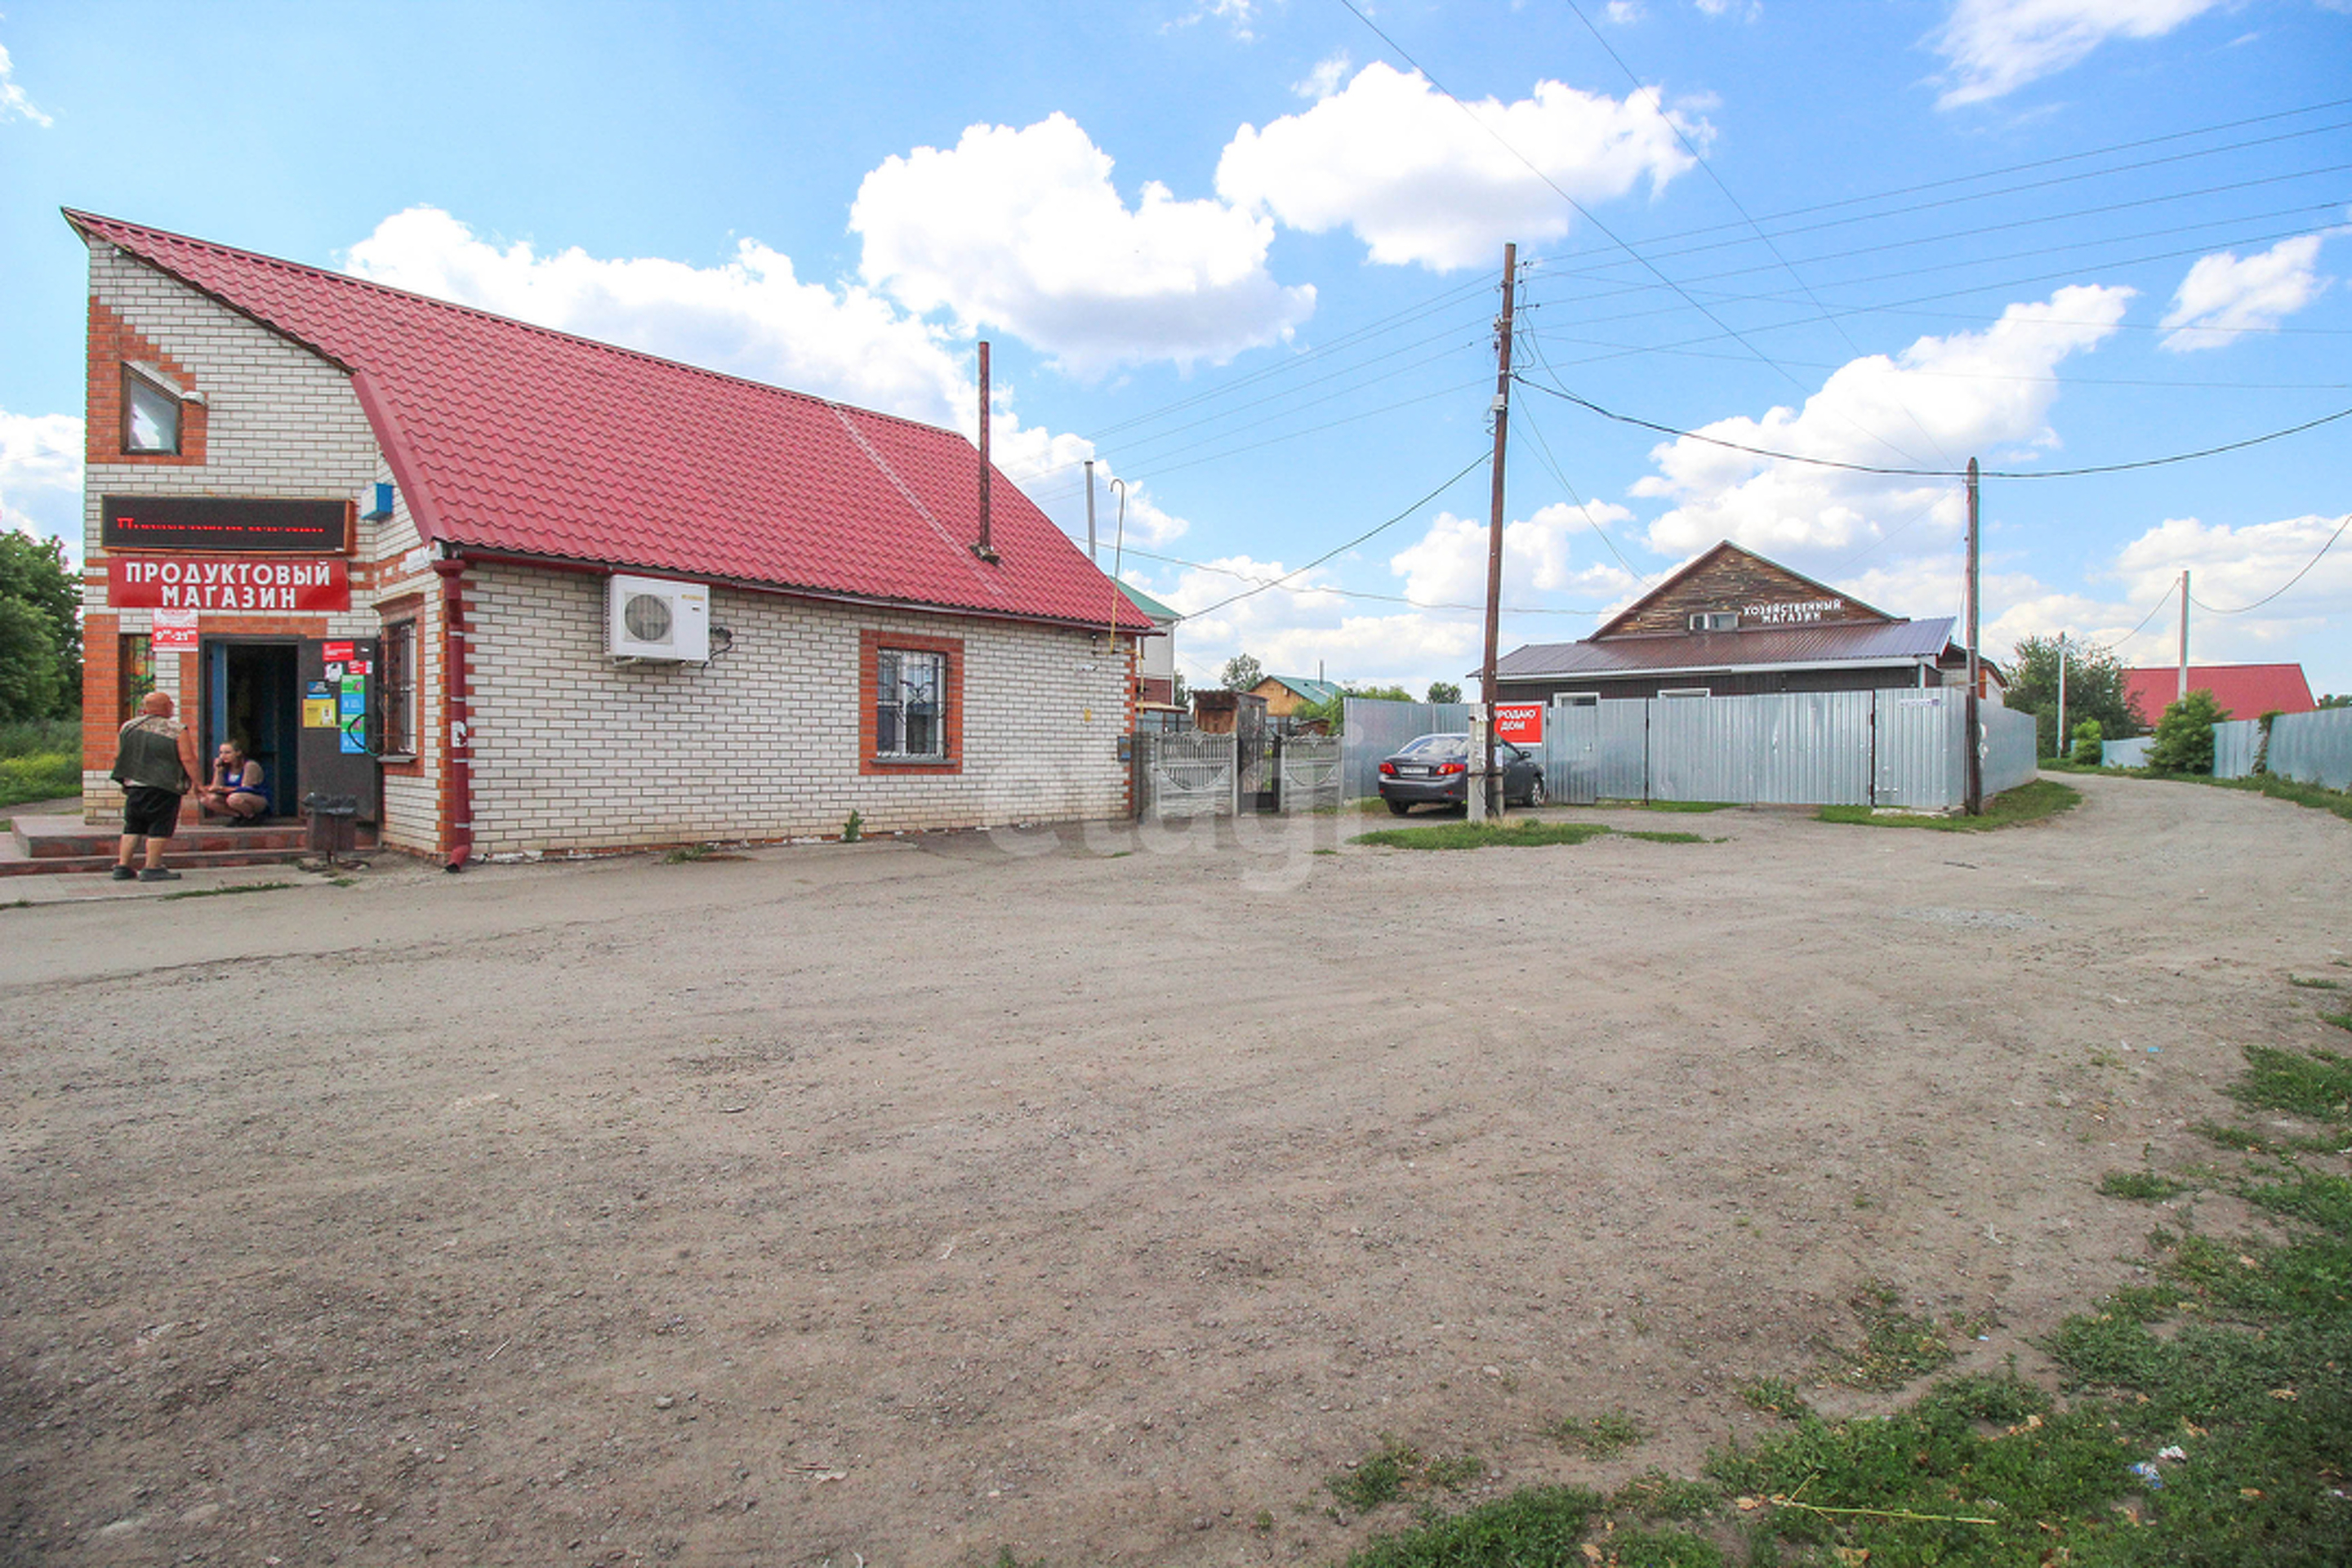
<point x="1896" y="1348"/>
<point x="2245" y="1139"/>
<point x="1687" y="805"/>
<point x="49" y="776"/>
<point x="1455" y="1473"/>
<point x="1776" y="1397"/>
<point x="1639" y="1548"/>
<point x="1601" y="1436"/>
<point x="2341" y="1020"/>
<point x="228" y="891"/>
<point x="1654" y="1494"/>
<point x="1388" y="1472"/>
<point x="2233" y="1355"/>
<point x="687" y="853"/>
<point x="2314" y="983"/>
<point x="1520" y="832"/>
<point x="2141" y="1186"/>
<point x="1536" y="1525"/>
<point x="2028" y="803"/>
<point x="2317" y="1084"/>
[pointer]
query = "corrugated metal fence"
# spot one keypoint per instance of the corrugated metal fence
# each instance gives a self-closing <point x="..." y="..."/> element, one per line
<point x="2313" y="748"/>
<point x="1900" y="747"/>
<point x="2310" y="747"/>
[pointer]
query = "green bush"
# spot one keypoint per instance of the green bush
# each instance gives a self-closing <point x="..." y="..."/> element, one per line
<point x="2089" y="741"/>
<point x="2184" y="736"/>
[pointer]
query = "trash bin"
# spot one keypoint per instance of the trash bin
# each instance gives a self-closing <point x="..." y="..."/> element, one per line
<point x="334" y="823"/>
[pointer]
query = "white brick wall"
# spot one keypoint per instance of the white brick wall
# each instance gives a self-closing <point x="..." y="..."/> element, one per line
<point x="572" y="752"/>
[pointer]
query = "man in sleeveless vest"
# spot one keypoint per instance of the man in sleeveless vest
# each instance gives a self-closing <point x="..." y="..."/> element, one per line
<point x="155" y="764"/>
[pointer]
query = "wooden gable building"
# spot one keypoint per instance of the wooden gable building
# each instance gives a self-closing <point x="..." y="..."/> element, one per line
<point x="1732" y="623"/>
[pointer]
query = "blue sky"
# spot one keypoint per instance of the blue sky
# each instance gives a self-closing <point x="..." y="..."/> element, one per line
<point x="1246" y="254"/>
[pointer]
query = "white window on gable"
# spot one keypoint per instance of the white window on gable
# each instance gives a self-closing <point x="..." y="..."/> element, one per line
<point x="150" y="414"/>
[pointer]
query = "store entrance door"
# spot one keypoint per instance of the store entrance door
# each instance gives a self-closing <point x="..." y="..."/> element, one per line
<point x="251" y="698"/>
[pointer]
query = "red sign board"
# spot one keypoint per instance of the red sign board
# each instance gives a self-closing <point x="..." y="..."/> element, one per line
<point x="1520" y="721"/>
<point x="226" y="582"/>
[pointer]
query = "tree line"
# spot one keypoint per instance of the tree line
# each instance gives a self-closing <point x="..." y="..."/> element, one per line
<point x="41" y="630"/>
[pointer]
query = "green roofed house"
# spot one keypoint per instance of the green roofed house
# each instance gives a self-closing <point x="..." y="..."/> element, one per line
<point x="1286" y="694"/>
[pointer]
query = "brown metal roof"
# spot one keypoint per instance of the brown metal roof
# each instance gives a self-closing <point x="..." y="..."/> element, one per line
<point x="1827" y="643"/>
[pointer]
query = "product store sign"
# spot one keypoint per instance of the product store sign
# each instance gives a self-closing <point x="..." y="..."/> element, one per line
<point x="226" y="582"/>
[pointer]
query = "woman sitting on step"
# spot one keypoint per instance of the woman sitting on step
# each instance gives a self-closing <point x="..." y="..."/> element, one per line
<point x="236" y="788"/>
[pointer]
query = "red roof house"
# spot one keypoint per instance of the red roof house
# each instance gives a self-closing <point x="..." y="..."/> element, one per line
<point x="2243" y="690"/>
<point x="497" y="483"/>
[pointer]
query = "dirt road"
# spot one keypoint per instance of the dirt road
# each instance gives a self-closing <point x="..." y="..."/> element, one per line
<point x="1092" y="1196"/>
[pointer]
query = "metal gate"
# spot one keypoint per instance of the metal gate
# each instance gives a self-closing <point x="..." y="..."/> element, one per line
<point x="1309" y="769"/>
<point x="1189" y="775"/>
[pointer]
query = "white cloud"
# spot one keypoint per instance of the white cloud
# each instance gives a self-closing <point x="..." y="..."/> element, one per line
<point x="14" y="103"/>
<point x="2224" y="295"/>
<point x="1621" y="13"/>
<point x="1447" y="565"/>
<point x="750" y="317"/>
<point x="1324" y="80"/>
<point x="1942" y="396"/>
<point x="40" y="476"/>
<point x="1241" y="15"/>
<point x="1023" y="230"/>
<point x="1995" y="46"/>
<point x="1418" y="181"/>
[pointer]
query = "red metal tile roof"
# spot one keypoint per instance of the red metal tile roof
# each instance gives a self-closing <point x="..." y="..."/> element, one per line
<point x="513" y="438"/>
<point x="2243" y="690"/>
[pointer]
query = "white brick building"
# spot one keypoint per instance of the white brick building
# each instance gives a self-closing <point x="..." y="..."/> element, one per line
<point x="397" y="522"/>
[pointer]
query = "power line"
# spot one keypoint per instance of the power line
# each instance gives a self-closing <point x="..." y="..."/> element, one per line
<point x="1943" y="203"/>
<point x="2283" y="587"/>
<point x="1586" y="403"/>
<point x="1370" y="532"/>
<point x="1579" y="207"/>
<point x="1349" y="593"/>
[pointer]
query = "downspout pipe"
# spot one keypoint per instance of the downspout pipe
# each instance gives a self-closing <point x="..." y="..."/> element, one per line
<point x="457" y="737"/>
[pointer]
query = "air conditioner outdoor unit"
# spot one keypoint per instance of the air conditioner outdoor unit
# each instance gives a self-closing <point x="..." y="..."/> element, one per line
<point x="649" y="618"/>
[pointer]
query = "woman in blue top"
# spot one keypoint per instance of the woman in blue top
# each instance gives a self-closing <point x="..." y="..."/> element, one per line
<point x="236" y="788"/>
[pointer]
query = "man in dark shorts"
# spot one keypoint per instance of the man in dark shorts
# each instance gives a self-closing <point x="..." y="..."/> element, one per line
<point x="155" y="764"/>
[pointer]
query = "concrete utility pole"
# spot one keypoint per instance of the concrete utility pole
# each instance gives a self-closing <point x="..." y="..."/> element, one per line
<point x="2182" y="694"/>
<point x="1502" y="409"/>
<point x="2064" y="749"/>
<point x="1976" y="758"/>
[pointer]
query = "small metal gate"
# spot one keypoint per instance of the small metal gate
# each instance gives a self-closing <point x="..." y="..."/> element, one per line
<point x="1309" y="769"/>
<point x="1188" y="774"/>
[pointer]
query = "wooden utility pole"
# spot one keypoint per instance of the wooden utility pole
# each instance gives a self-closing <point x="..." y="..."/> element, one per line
<point x="1502" y="410"/>
<point x="1975" y="758"/>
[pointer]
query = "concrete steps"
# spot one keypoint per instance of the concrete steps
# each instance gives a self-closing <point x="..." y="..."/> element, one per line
<point x="47" y="845"/>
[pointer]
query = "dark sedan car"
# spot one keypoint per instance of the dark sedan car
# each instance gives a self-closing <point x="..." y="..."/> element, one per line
<point x="1435" y="770"/>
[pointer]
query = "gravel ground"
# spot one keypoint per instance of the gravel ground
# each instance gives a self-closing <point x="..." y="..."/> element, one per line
<point x="1092" y="1196"/>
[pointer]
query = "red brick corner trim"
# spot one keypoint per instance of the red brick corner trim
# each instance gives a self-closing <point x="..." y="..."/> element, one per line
<point x="114" y="342"/>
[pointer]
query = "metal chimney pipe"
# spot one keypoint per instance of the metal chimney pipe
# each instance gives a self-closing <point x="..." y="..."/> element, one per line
<point x="986" y="550"/>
